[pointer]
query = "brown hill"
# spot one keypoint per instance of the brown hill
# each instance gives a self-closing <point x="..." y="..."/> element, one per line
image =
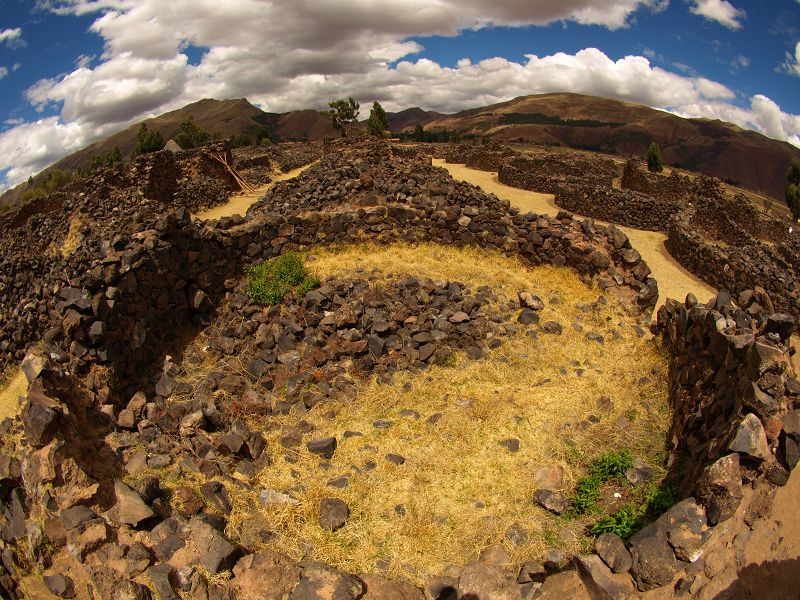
<point x="744" y="158"/>
<point x="223" y="117"/>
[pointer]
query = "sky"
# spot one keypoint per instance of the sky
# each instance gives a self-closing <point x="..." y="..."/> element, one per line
<point x="75" y="71"/>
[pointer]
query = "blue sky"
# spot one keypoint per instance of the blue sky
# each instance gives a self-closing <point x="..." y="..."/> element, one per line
<point x="73" y="71"/>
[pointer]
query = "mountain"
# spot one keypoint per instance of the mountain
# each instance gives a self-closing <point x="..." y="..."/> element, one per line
<point x="410" y="118"/>
<point x="744" y="158"/>
<point x="735" y="155"/>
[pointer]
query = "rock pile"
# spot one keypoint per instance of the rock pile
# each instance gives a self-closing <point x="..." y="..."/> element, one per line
<point x="106" y="410"/>
<point x="487" y="156"/>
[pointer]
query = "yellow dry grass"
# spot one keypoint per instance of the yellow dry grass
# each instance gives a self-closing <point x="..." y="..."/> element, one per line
<point x="674" y="281"/>
<point x="14" y="385"/>
<point x="459" y="491"/>
<point x="74" y="238"/>
<point x="238" y="204"/>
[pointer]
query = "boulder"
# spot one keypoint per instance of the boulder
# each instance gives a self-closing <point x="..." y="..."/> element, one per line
<point x="485" y="581"/>
<point x="600" y="581"/>
<point x="265" y="575"/>
<point x="653" y="561"/>
<point x="750" y="440"/>
<point x="612" y="551"/>
<point x="562" y="586"/>
<point x="380" y="588"/>
<point x="720" y="488"/>
<point x="130" y="508"/>
<point x="321" y="582"/>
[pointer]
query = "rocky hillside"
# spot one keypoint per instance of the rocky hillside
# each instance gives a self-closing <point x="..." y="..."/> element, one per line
<point x="737" y="156"/>
<point x="744" y="158"/>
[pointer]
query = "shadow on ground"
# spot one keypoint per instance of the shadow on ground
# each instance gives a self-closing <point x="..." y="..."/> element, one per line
<point x="770" y="580"/>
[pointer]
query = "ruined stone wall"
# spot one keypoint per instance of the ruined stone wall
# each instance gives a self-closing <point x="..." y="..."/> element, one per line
<point x="617" y="206"/>
<point x="486" y="156"/>
<point x="740" y="264"/>
<point x="549" y="173"/>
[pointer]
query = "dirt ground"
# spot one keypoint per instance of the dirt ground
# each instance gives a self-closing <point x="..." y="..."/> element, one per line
<point x="673" y="280"/>
<point x="238" y="204"/>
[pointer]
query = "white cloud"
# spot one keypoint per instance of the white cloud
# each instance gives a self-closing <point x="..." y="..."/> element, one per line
<point x="721" y="11"/>
<point x="289" y="54"/>
<point x="12" y="37"/>
<point x="792" y="63"/>
<point x="3" y="72"/>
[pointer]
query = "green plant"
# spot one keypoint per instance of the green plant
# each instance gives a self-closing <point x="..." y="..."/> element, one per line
<point x="793" y="188"/>
<point x="649" y="503"/>
<point x="343" y="114"/>
<point x="270" y="281"/>
<point x="609" y="466"/>
<point x="191" y="135"/>
<point x="148" y="140"/>
<point x="378" y="121"/>
<point x="655" y="163"/>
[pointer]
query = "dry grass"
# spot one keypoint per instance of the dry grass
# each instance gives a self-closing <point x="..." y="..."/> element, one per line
<point x="674" y="281"/>
<point x="238" y="203"/>
<point x="459" y="489"/>
<point x="13" y="385"/>
<point x="74" y="238"/>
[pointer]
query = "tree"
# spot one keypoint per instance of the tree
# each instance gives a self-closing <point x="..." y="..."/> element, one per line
<point x="343" y="114"/>
<point x="148" y="140"/>
<point x="793" y="188"/>
<point x="191" y="135"/>
<point x="378" y="121"/>
<point x="419" y="133"/>
<point x="654" y="162"/>
<point x="114" y="156"/>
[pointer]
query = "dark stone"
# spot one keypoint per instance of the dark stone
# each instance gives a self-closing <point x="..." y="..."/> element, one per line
<point x="162" y="576"/>
<point x="783" y="325"/>
<point x="395" y="459"/>
<point x="511" y="444"/>
<point x="76" y="516"/>
<point x="552" y="327"/>
<point x="611" y="549"/>
<point x="555" y="502"/>
<point x="653" y="561"/>
<point x="60" y="585"/>
<point x="333" y="513"/>
<point x="528" y="317"/>
<point x="720" y="488"/>
<point x="325" y="447"/>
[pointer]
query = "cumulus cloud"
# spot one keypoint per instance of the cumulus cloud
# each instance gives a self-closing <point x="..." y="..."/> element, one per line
<point x="3" y="72"/>
<point x="792" y="63"/>
<point x="721" y="11"/>
<point x="289" y="54"/>
<point x="12" y="37"/>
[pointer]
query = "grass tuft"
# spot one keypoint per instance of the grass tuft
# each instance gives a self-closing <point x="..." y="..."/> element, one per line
<point x="269" y="282"/>
<point x="608" y="467"/>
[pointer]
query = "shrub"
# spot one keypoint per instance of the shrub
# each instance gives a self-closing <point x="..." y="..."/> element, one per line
<point x="270" y="281"/>
<point x="148" y="140"/>
<point x="793" y="188"/>
<point x="655" y="164"/>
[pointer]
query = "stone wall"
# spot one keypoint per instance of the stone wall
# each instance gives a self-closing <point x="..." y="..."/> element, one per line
<point x="114" y="316"/>
<point x="737" y="261"/>
<point x="617" y="206"/>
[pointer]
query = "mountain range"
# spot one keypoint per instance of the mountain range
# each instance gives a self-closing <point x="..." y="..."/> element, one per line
<point x="737" y="156"/>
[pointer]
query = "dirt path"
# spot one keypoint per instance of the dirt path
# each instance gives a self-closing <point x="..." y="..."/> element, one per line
<point x="673" y="280"/>
<point x="239" y="203"/>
